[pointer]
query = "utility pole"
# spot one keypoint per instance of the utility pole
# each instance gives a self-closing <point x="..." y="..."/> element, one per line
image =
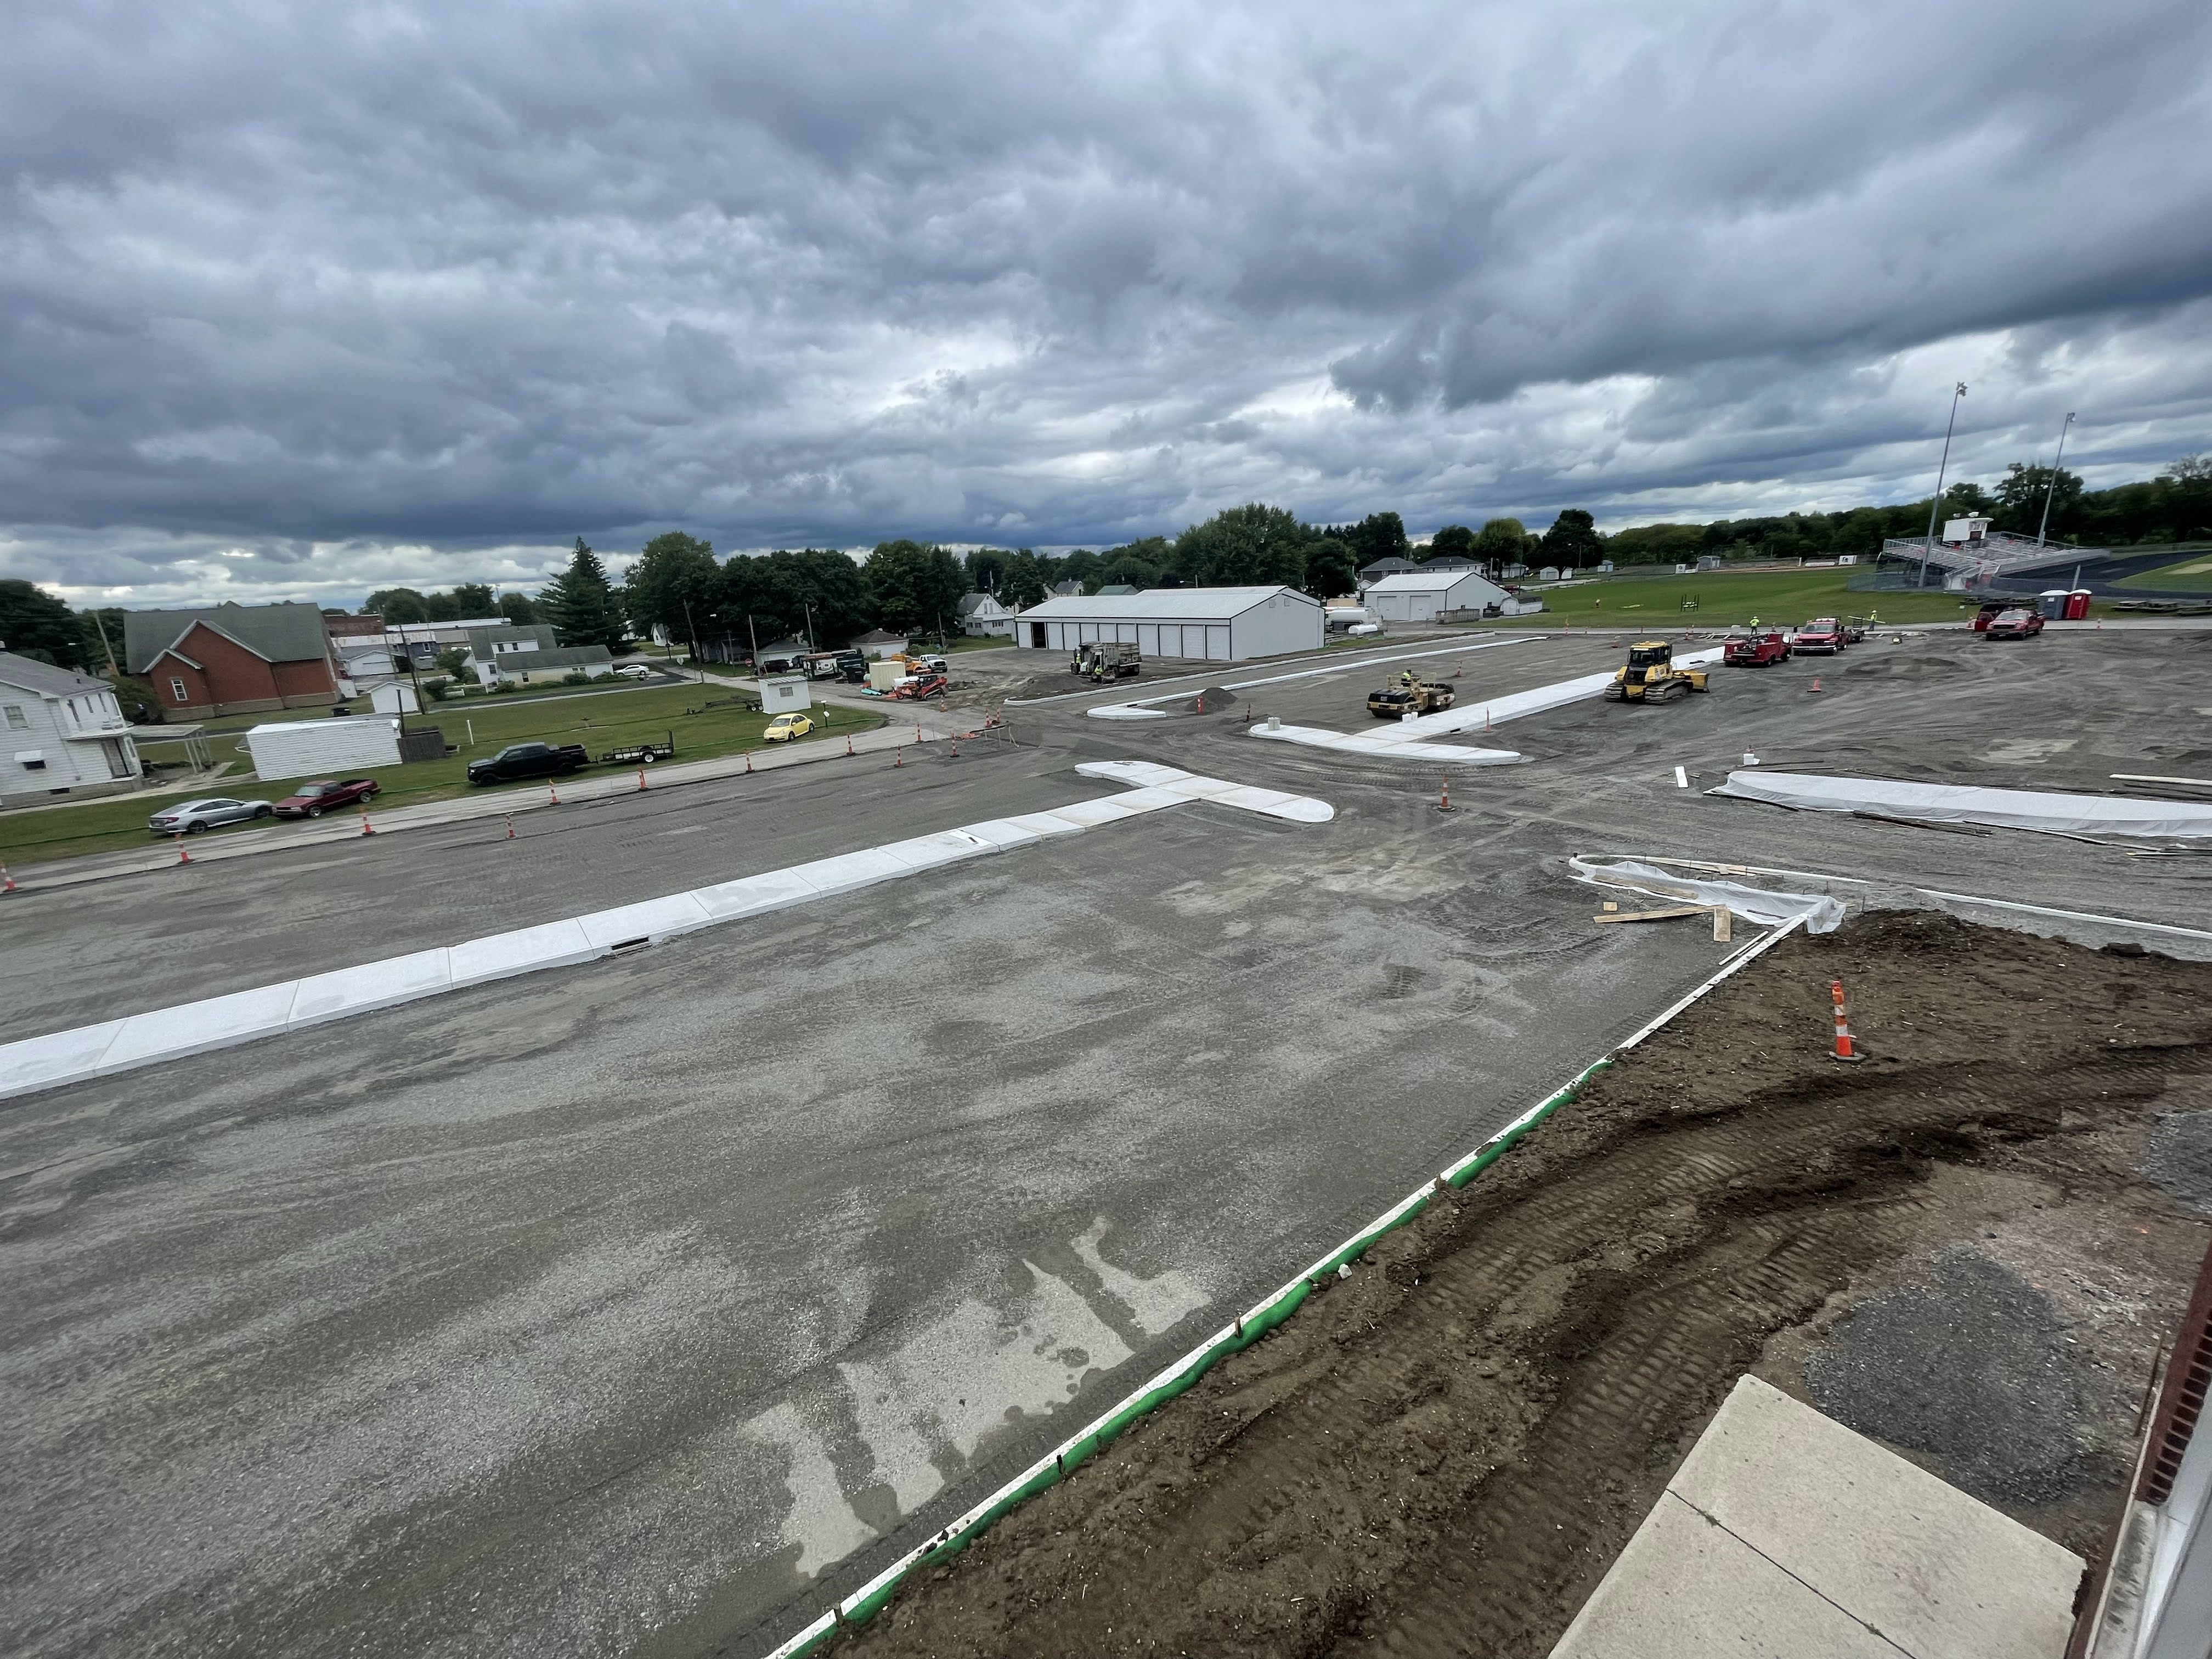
<point x="2049" y="486"/>
<point x="1928" y="545"/>
<point x="698" y="663"/>
<point x="113" y="669"/>
<point x="753" y="633"/>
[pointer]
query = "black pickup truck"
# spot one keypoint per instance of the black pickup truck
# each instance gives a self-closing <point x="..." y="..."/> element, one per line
<point x="528" y="760"/>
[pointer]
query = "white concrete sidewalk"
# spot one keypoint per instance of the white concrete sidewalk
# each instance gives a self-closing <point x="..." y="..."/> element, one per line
<point x="1784" y="1533"/>
<point x="907" y="725"/>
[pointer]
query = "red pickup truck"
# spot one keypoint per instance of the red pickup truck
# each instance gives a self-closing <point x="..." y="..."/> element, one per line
<point x="1755" y="650"/>
<point x="1823" y="637"/>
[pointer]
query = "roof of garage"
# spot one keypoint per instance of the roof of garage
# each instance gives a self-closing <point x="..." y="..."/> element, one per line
<point x="1163" y="605"/>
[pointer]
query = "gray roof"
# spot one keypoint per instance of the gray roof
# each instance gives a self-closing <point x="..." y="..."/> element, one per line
<point x="1451" y="562"/>
<point x="563" y="656"/>
<point x="280" y="633"/>
<point x="877" y="637"/>
<point x="971" y="603"/>
<point x="1386" y="567"/>
<point x="1162" y="604"/>
<point x="1116" y="589"/>
<point x="1429" y="581"/>
<point x="29" y="674"/>
<point x="481" y="639"/>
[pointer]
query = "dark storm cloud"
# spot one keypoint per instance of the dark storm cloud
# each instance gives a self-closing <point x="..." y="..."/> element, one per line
<point x="299" y="299"/>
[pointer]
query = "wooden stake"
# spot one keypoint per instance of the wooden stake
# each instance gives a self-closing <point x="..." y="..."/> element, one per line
<point x="1658" y="915"/>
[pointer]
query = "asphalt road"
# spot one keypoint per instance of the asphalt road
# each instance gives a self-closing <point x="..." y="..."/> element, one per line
<point x="636" y="1308"/>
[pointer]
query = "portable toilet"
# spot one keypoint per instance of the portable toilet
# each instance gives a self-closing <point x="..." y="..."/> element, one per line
<point x="2052" y="603"/>
<point x="2077" y="604"/>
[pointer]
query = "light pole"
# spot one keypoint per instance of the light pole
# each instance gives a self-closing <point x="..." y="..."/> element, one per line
<point x="2051" y="483"/>
<point x="1927" y="544"/>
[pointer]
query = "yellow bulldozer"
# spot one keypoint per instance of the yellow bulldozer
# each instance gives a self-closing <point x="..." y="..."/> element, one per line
<point x="1650" y="675"/>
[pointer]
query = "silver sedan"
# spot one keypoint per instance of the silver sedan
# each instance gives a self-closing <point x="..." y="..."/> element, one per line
<point x="191" y="817"/>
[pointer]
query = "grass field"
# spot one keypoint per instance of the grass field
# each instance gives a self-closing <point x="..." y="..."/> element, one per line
<point x="2192" y="573"/>
<point x="1775" y="597"/>
<point x="598" y="723"/>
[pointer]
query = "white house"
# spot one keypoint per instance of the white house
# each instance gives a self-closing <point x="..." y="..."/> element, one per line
<point x="1226" y="624"/>
<point x="879" y="645"/>
<point x="61" y="734"/>
<point x="1417" y="596"/>
<point x="982" y="615"/>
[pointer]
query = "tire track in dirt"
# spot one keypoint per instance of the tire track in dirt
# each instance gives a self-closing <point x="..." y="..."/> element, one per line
<point x="1441" y="1455"/>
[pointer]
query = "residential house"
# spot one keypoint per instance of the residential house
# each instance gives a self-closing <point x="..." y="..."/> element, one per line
<point x="61" y="734"/>
<point x="1393" y="566"/>
<point x="879" y="645"/>
<point x="548" y="666"/>
<point x="1118" y="589"/>
<point x="231" y="657"/>
<point x="1069" y="589"/>
<point x="983" y="616"/>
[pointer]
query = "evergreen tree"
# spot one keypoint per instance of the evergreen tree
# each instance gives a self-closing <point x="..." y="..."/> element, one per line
<point x="581" y="603"/>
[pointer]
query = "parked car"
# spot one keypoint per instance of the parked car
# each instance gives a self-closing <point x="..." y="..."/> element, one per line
<point x="784" y="727"/>
<point x="1990" y="611"/>
<point x="1755" y="650"/>
<point x="528" y="760"/>
<point x="193" y="817"/>
<point x="312" y="800"/>
<point x="2016" y="625"/>
<point x="635" y="670"/>
<point x="1823" y="637"/>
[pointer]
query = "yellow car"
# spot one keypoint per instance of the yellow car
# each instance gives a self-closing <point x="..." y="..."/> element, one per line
<point x="784" y="728"/>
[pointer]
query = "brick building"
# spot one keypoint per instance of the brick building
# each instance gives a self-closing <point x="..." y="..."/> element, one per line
<point x="231" y="658"/>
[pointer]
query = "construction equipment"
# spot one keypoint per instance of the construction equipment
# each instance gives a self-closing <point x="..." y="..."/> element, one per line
<point x="1406" y="694"/>
<point x="1106" y="659"/>
<point x="1650" y="675"/>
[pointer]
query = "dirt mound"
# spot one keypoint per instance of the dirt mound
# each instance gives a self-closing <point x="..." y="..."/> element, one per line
<point x="1443" y="1454"/>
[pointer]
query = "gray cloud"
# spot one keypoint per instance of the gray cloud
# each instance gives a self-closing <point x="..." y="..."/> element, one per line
<point x="304" y="300"/>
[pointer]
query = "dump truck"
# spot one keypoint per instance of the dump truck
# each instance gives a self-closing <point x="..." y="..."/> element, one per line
<point x="1650" y="675"/>
<point x="1106" y="659"/>
<point x="1406" y="694"/>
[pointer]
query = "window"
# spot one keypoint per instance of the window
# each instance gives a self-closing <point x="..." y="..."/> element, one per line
<point x="177" y="691"/>
<point x="17" y="718"/>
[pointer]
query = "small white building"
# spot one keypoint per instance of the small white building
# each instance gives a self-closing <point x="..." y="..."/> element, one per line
<point x="982" y="615"/>
<point x="879" y="645"/>
<point x="1226" y="624"/>
<point x="1961" y="532"/>
<point x="786" y="694"/>
<point x="61" y="734"/>
<point x="1419" y="596"/>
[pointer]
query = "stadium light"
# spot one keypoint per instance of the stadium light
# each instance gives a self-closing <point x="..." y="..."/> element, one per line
<point x="2051" y="483"/>
<point x="1928" y="543"/>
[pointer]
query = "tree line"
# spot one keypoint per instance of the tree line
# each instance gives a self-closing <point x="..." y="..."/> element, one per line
<point x="678" y="587"/>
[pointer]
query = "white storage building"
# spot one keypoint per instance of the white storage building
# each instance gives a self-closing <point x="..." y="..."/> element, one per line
<point x="1227" y="625"/>
<point x="327" y="749"/>
<point x="1417" y="596"/>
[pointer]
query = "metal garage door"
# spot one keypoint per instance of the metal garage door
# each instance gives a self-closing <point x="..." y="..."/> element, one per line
<point x="1217" y="642"/>
<point x="1148" y="638"/>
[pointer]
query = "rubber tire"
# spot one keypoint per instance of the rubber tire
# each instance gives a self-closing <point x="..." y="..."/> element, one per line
<point x="315" y="811"/>
<point x="197" y="826"/>
<point x="261" y="812"/>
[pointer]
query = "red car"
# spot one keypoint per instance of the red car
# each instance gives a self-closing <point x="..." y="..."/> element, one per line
<point x="312" y="800"/>
<point x="2015" y="624"/>
<point x="1823" y="637"/>
<point x="1755" y="650"/>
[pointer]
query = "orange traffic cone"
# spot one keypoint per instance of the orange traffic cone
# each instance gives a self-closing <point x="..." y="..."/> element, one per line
<point x="7" y="881"/>
<point x="1843" y="1025"/>
<point x="365" y="829"/>
<point x="1446" y="805"/>
<point x="552" y="794"/>
<point x="898" y="758"/>
<point x="640" y="780"/>
<point x="1816" y="681"/>
<point x="749" y="762"/>
<point x="510" y="826"/>
<point x="183" y="857"/>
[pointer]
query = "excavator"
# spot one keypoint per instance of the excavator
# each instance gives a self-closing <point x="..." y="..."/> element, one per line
<point x="1650" y="675"/>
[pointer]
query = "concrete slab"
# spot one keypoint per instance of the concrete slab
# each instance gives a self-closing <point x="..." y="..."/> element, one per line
<point x="1684" y="1588"/>
<point x="1090" y="814"/>
<point x="1781" y="1519"/>
<point x="1139" y="773"/>
<point x="194" y="1028"/>
<point x="651" y="919"/>
<point x="849" y="872"/>
<point x="524" y="950"/>
<point x="1940" y="1573"/>
<point x="1043" y="823"/>
<point x="40" y="1062"/>
<point x="371" y="985"/>
<point x="1001" y="833"/>
<point x="755" y="896"/>
<point x="1276" y="803"/>
<point x="934" y="852"/>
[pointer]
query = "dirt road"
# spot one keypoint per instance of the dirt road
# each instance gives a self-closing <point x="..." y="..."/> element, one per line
<point x="1953" y="1246"/>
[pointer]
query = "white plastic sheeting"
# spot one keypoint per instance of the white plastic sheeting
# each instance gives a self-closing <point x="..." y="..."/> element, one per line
<point x="1390" y="745"/>
<point x="165" y="1034"/>
<point x="1820" y="914"/>
<point x="2003" y="809"/>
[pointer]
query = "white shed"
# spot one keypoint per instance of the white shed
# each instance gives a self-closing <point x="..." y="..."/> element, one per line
<point x="1419" y="596"/>
<point x="1226" y="624"/>
<point x="333" y="748"/>
<point x="786" y="694"/>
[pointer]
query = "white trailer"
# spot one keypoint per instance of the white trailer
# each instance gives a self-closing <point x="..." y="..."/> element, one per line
<point x="328" y="748"/>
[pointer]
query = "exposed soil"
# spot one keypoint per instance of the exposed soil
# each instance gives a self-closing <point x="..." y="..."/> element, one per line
<point x="1952" y="1247"/>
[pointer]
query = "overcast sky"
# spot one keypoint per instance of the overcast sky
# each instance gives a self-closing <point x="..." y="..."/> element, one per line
<point x="306" y="300"/>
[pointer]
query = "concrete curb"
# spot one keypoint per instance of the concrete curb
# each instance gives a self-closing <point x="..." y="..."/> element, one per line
<point x="86" y="1052"/>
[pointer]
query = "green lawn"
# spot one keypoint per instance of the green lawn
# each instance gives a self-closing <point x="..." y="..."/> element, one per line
<point x="1777" y="598"/>
<point x="2191" y="575"/>
<point x="598" y="723"/>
